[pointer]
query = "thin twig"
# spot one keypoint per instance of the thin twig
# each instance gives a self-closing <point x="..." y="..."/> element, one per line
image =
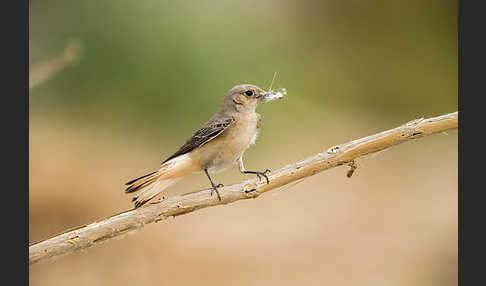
<point x="48" y="68"/>
<point x="132" y="220"/>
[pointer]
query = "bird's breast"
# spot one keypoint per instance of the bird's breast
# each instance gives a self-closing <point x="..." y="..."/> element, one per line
<point x="224" y="150"/>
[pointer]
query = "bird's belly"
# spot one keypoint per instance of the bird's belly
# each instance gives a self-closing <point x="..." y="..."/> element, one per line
<point x="223" y="151"/>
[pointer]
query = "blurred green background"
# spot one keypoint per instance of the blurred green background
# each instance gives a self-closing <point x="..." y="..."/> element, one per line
<point x="151" y="72"/>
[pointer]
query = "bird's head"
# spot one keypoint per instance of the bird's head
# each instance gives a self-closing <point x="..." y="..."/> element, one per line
<point x="246" y="97"/>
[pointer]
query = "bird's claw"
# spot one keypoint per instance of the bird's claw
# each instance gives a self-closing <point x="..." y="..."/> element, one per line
<point x="214" y="188"/>
<point x="264" y="174"/>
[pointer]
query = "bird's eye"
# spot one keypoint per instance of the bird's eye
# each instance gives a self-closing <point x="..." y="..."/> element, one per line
<point x="249" y="92"/>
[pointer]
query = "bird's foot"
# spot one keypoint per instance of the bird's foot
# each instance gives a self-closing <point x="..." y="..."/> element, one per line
<point x="214" y="188"/>
<point x="259" y="174"/>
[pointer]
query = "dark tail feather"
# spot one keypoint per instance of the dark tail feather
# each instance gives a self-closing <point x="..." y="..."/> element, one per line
<point x="138" y="183"/>
<point x="136" y="187"/>
<point x="134" y="180"/>
<point x="150" y="191"/>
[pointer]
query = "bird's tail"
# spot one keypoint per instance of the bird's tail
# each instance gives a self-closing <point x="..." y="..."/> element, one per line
<point x="150" y="188"/>
<point x="152" y="184"/>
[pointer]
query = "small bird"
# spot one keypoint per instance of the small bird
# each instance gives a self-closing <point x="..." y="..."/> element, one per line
<point x="216" y="146"/>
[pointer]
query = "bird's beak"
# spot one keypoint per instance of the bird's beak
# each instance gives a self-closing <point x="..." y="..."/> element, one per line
<point x="274" y="94"/>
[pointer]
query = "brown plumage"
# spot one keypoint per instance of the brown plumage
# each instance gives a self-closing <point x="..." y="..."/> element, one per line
<point x="207" y="132"/>
<point x="217" y="145"/>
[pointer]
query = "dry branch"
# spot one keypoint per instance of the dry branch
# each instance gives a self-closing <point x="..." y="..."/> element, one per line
<point x="132" y="220"/>
<point x="48" y="68"/>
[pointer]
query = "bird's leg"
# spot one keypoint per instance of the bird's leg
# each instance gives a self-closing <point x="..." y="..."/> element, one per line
<point x="214" y="187"/>
<point x="244" y="171"/>
<point x="264" y="174"/>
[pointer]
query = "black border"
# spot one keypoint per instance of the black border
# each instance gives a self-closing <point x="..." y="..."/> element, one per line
<point x="471" y="65"/>
<point x="15" y="141"/>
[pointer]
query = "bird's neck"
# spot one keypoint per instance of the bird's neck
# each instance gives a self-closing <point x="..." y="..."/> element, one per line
<point x="239" y="115"/>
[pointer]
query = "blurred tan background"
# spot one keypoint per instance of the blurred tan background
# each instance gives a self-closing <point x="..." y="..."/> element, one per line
<point x="151" y="72"/>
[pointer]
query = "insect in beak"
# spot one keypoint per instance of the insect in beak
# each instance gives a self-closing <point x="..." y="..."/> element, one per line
<point x="274" y="94"/>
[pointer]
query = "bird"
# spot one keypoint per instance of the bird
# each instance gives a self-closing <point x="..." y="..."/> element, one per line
<point x="219" y="144"/>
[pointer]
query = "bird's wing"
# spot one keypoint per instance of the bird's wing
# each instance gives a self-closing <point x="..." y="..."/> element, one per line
<point x="207" y="132"/>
